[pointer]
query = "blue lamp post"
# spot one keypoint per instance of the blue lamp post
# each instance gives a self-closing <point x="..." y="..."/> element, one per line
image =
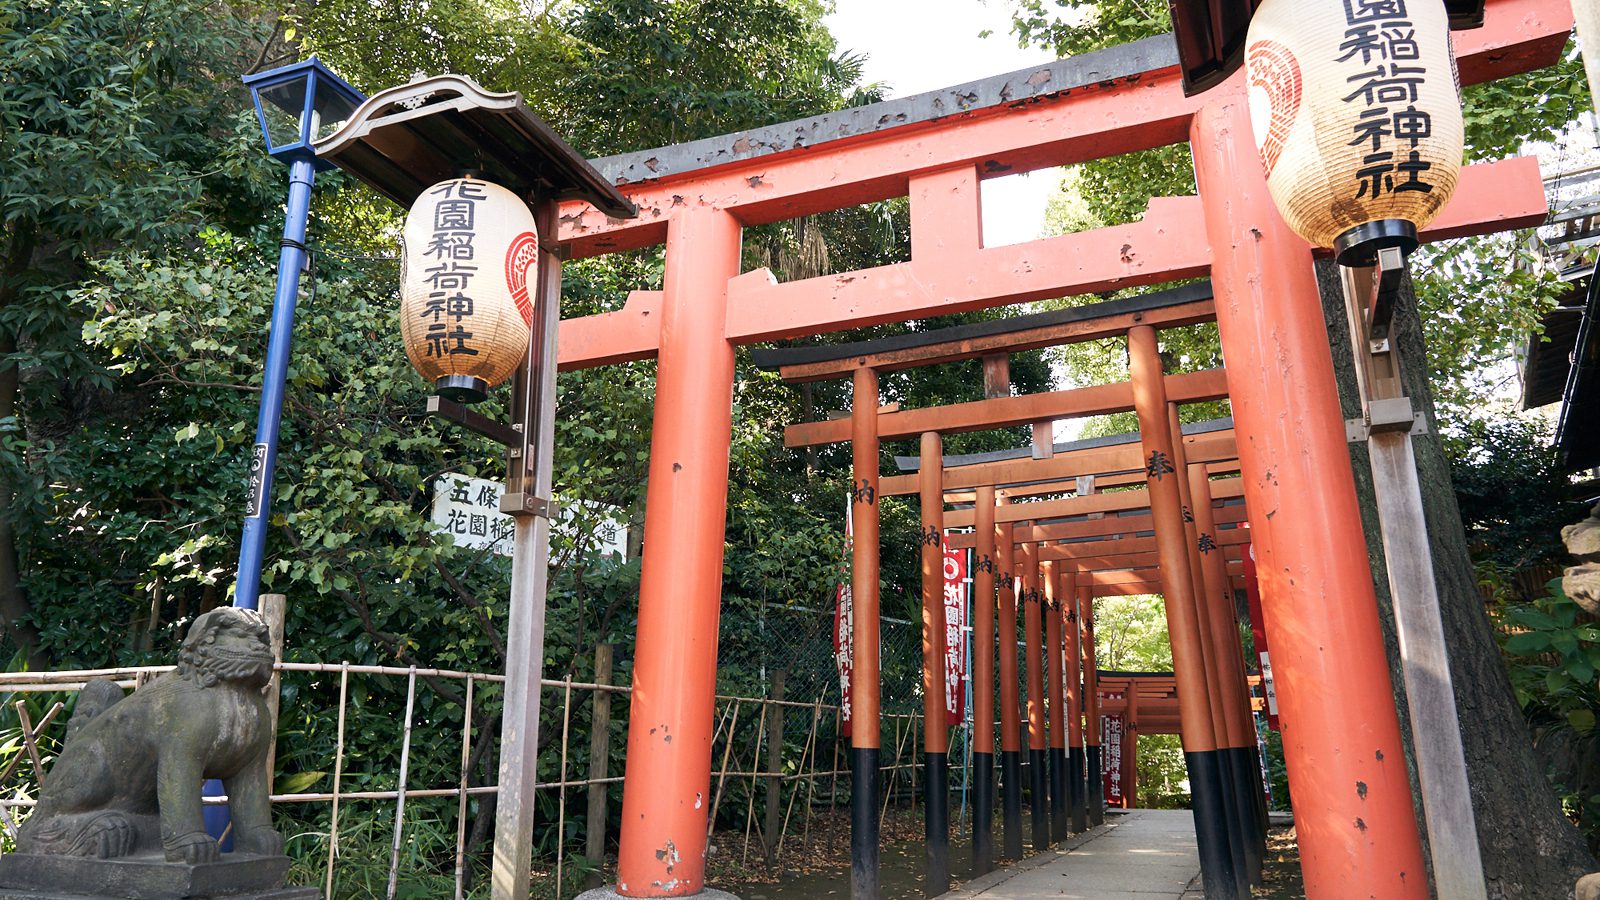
<point x="297" y="104"/>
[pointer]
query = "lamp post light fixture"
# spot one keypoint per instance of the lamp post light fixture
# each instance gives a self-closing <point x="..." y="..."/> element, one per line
<point x="296" y="104"/>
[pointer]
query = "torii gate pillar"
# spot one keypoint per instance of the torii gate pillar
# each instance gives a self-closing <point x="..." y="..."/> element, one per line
<point x="664" y="794"/>
<point x="1341" y="734"/>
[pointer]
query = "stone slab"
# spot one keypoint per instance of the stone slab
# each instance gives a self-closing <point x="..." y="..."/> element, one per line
<point x="609" y="892"/>
<point x="147" y="877"/>
<point x="285" y="893"/>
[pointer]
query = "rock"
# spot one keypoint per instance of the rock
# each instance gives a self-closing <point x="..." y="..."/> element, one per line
<point x="1583" y="539"/>
<point x="1588" y="888"/>
<point x="1582" y="584"/>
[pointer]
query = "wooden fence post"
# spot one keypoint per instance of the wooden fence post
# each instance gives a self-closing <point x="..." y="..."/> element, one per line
<point x="273" y="608"/>
<point x="775" y="716"/>
<point x="599" y="760"/>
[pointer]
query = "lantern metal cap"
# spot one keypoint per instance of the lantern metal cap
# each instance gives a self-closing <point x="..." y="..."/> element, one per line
<point x="1211" y="35"/>
<point x="1358" y="247"/>
<point x="407" y="138"/>
<point x="462" y="388"/>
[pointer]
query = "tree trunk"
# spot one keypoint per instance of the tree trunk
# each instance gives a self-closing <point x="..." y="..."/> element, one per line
<point x="1529" y="847"/>
<point x="14" y="607"/>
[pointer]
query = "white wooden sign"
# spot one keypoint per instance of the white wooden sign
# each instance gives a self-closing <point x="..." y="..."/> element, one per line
<point x="468" y="509"/>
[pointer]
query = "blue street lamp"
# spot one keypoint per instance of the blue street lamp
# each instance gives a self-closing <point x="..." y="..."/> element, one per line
<point x="297" y="104"/>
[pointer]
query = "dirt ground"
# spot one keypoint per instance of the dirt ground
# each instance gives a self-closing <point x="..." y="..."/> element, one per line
<point x="1282" y="870"/>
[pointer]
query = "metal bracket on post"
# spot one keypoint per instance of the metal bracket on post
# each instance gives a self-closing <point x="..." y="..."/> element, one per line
<point x="529" y="505"/>
<point x="451" y="411"/>
<point x="1385" y="288"/>
<point x="1394" y="414"/>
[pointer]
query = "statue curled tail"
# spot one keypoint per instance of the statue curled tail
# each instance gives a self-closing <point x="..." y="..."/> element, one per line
<point x="102" y="834"/>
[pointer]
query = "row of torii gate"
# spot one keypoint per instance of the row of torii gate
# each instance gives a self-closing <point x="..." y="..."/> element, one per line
<point x="1352" y="797"/>
<point x="1049" y="539"/>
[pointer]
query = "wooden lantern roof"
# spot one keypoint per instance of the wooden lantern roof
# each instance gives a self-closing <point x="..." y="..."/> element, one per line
<point x="1211" y="35"/>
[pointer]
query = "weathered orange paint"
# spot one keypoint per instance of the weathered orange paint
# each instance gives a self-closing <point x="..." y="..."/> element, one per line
<point x="1069" y="616"/>
<point x="1341" y="736"/>
<point x="1212" y="447"/>
<point x="1091" y="674"/>
<point x="865" y="550"/>
<point x="1055" y="655"/>
<point x="1177" y="588"/>
<point x="1032" y="637"/>
<point x="1006" y="605"/>
<point x="1135" y="114"/>
<point x="1133" y="499"/>
<point x="664" y="800"/>
<point x="1004" y="412"/>
<point x="1221" y="617"/>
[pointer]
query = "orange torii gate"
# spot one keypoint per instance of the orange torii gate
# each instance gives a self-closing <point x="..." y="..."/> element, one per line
<point x="938" y="148"/>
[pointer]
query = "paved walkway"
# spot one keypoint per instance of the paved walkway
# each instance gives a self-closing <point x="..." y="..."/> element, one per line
<point x="1145" y="854"/>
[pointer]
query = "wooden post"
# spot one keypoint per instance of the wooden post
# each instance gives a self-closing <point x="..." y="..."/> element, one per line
<point x="1322" y="615"/>
<point x="599" y="764"/>
<point x="1246" y="863"/>
<point x="865" y="730"/>
<point x="935" y="731"/>
<point x="1010" y="705"/>
<point x="680" y="584"/>
<point x="1233" y="686"/>
<point x="1056" y="711"/>
<point x="528" y="478"/>
<point x="773" y="808"/>
<point x="274" y="608"/>
<point x="983" y="649"/>
<point x="1033" y="639"/>
<point x="1222" y="881"/>
<point x="1091" y="710"/>
<point x="1072" y="703"/>
<point x="1130" y="748"/>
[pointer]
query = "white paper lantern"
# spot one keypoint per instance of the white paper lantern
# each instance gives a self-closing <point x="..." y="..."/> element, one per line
<point x="467" y="268"/>
<point x="1356" y="109"/>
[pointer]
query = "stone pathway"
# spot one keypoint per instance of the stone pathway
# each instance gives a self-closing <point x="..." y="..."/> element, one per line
<point x="1145" y="854"/>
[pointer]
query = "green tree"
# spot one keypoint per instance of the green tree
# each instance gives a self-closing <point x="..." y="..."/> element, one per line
<point x="119" y="123"/>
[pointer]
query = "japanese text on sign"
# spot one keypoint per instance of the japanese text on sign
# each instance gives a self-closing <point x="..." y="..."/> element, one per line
<point x="955" y="622"/>
<point x="1111" y="728"/>
<point x="844" y="621"/>
<point x="468" y="510"/>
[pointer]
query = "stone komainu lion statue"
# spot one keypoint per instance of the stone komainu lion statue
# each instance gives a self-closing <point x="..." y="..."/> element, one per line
<point x="129" y="774"/>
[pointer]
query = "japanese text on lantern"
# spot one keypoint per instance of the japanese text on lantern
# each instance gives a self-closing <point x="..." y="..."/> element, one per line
<point x="448" y="310"/>
<point x="1380" y="42"/>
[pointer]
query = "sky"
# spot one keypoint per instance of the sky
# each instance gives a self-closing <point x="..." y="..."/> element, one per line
<point x="915" y="46"/>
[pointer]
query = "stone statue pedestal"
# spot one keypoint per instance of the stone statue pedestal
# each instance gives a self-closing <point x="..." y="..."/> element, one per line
<point x="28" y="876"/>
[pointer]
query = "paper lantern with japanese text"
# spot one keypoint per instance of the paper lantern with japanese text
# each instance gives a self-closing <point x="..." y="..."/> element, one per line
<point x="466" y="270"/>
<point x="1356" y="109"/>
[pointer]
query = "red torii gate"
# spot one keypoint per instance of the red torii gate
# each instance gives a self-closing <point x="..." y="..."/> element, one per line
<point x="937" y="148"/>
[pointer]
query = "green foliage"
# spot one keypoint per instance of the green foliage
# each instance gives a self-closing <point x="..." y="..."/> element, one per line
<point x="1513" y="495"/>
<point x="1557" y="649"/>
<point x="1553" y="654"/>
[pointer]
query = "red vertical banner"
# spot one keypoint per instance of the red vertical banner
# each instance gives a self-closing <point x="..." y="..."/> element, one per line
<point x="955" y="630"/>
<point x="1111" y="741"/>
<point x="844" y="623"/>
<point x="1258" y="634"/>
